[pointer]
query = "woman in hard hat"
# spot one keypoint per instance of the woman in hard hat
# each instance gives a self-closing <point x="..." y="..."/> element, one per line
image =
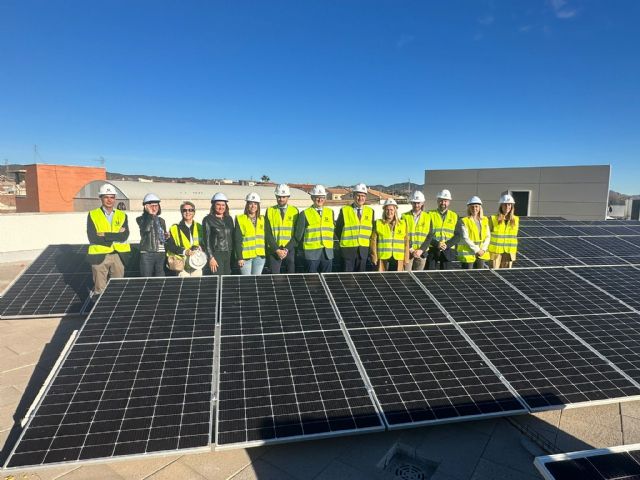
<point x="504" y="234"/>
<point x="390" y="239"/>
<point x="153" y="235"/>
<point x="315" y="232"/>
<point x="183" y="244"/>
<point x="418" y="225"/>
<point x="473" y="249"/>
<point x="249" y="237"/>
<point x="217" y="233"/>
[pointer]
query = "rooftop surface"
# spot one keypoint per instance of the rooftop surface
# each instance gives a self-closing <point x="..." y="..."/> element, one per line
<point x="479" y="450"/>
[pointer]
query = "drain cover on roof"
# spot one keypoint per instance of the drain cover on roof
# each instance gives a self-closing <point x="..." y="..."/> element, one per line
<point x="402" y="463"/>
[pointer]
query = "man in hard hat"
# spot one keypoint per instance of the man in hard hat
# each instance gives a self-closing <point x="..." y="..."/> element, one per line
<point x="315" y="232"/>
<point x="279" y="226"/>
<point x="354" y="227"/>
<point x="217" y="233"/>
<point x="107" y="231"/>
<point x="418" y="225"/>
<point x="503" y="245"/>
<point x="444" y="234"/>
<point x="153" y="235"/>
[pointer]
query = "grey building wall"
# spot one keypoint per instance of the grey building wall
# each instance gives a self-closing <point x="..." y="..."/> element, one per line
<point x="574" y="192"/>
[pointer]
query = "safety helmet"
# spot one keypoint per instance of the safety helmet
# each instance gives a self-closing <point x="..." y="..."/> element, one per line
<point x="219" y="197"/>
<point x="318" y="191"/>
<point x="107" y="189"/>
<point x="282" y="190"/>
<point x="506" y="198"/>
<point x="444" y="194"/>
<point x="475" y="200"/>
<point x="150" y="198"/>
<point x="252" y="197"/>
<point x="417" y="197"/>
<point x="360" y="188"/>
<point x="389" y="201"/>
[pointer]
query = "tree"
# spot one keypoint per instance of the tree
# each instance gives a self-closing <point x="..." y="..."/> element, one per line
<point x="265" y="178"/>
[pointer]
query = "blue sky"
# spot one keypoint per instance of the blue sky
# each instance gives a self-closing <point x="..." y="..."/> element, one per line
<point x="331" y="91"/>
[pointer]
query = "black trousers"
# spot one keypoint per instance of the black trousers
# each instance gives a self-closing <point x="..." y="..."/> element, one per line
<point x="152" y="264"/>
<point x="355" y="259"/>
<point x="437" y="260"/>
<point x="322" y="265"/>
<point x="224" y="264"/>
<point x="289" y="262"/>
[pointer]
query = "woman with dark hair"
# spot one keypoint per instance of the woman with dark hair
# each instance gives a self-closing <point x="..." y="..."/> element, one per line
<point x="217" y="232"/>
<point x="504" y="234"/>
<point x="249" y="246"/>
<point x="153" y="234"/>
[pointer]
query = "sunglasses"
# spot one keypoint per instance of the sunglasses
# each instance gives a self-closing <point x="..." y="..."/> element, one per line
<point x="188" y="210"/>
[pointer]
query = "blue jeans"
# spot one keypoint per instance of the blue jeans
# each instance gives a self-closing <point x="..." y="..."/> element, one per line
<point x="152" y="264"/>
<point x="253" y="266"/>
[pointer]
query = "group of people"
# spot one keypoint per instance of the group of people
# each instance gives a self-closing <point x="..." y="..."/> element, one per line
<point x="411" y="241"/>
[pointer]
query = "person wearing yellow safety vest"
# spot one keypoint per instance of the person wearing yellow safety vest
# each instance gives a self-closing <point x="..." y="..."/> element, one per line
<point x="315" y="233"/>
<point x="279" y="226"/>
<point x="185" y="239"/>
<point x="107" y="231"/>
<point x="217" y="235"/>
<point x="418" y="225"/>
<point x="504" y="234"/>
<point x="249" y="237"/>
<point x="473" y="249"/>
<point x="354" y="228"/>
<point x="444" y="234"/>
<point x="390" y="239"/>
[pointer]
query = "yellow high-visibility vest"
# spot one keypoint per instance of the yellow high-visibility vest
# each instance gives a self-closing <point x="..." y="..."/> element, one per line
<point x="504" y="236"/>
<point x="319" y="231"/>
<point x="252" y="237"/>
<point x="391" y="243"/>
<point x="181" y="239"/>
<point x="417" y="231"/>
<point x="443" y="230"/>
<point x="356" y="233"/>
<point x="103" y="226"/>
<point x="282" y="228"/>
<point x="465" y="253"/>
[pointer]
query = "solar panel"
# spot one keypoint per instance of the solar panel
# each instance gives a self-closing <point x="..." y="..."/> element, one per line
<point x="535" y="231"/>
<point x="565" y="231"/>
<point x="620" y="230"/>
<point x="275" y="304"/>
<point x="635" y="240"/>
<point x="622" y="282"/>
<point x="615" y="246"/>
<point x="476" y="295"/>
<point x="582" y="249"/>
<point x="153" y="308"/>
<point x="375" y="299"/>
<point x="60" y="259"/>
<point x="430" y="374"/>
<point x="122" y="398"/>
<point x="594" y="231"/>
<point x="290" y="386"/>
<point x="560" y="292"/>
<point x="543" y="253"/>
<point x="546" y="365"/>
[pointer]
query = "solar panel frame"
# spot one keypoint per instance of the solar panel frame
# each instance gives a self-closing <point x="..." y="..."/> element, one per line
<point x="619" y="282"/>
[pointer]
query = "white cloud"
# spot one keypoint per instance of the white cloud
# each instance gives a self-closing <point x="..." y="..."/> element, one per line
<point x="562" y="10"/>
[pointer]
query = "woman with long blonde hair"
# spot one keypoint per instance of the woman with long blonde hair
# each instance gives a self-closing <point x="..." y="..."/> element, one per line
<point x="476" y="235"/>
<point x="390" y="239"/>
<point x="503" y="246"/>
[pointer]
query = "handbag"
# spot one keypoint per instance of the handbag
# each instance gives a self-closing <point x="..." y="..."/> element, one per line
<point x="175" y="263"/>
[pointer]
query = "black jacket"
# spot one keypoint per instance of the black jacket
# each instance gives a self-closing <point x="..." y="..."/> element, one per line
<point x="217" y="234"/>
<point x="148" y="235"/>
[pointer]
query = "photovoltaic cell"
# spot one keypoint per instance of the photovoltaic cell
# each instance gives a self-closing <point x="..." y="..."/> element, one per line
<point x="382" y="299"/>
<point x="275" y="304"/>
<point x="546" y="365"/>
<point x="475" y="295"/>
<point x="623" y="282"/>
<point x="430" y="374"/>
<point x="619" y="463"/>
<point x="535" y="231"/>
<point x="620" y="230"/>
<point x="535" y="248"/>
<point x="285" y="386"/>
<point x="615" y="246"/>
<point x="560" y="292"/>
<point x="153" y="308"/>
<point x="122" y="398"/>
<point x="60" y="259"/>
<point x="633" y="239"/>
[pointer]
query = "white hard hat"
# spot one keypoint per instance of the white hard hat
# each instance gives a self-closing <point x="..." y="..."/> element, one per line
<point x="360" y="188"/>
<point x="197" y="260"/>
<point x="219" y="197"/>
<point x="417" y="197"/>
<point x="150" y="198"/>
<point x="506" y="198"/>
<point x="282" y="190"/>
<point x="475" y="200"/>
<point x="318" y="191"/>
<point x="107" y="189"/>
<point x="444" y="194"/>
<point x="389" y="201"/>
<point x="252" y="197"/>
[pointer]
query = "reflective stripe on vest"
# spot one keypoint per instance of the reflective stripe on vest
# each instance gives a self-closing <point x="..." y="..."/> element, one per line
<point x="417" y="231"/>
<point x="356" y="233"/>
<point x="443" y="230"/>
<point x="282" y="229"/>
<point x="391" y="244"/>
<point x="180" y="239"/>
<point x="504" y="236"/>
<point x="252" y="237"/>
<point x="319" y="231"/>
<point x="102" y="225"/>
<point x="465" y="253"/>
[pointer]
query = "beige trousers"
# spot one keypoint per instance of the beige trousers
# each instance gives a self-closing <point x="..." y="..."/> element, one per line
<point x="502" y="260"/>
<point x="111" y="267"/>
<point x="416" y="264"/>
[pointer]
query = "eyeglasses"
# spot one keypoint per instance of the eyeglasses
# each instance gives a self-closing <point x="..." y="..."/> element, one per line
<point x="187" y="210"/>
